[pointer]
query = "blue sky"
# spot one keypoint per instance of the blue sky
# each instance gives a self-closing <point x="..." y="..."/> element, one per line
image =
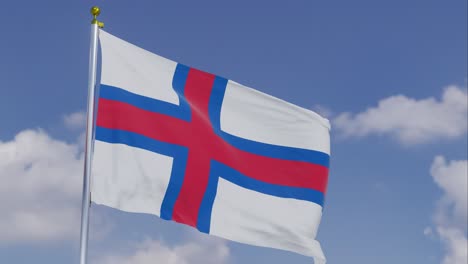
<point x="397" y="68"/>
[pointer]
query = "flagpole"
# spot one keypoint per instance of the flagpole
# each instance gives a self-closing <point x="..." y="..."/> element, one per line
<point x="86" y="202"/>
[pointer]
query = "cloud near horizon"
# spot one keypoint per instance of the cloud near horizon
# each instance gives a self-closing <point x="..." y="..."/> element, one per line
<point x="410" y="120"/>
<point x="196" y="250"/>
<point x="41" y="182"/>
<point x="450" y="216"/>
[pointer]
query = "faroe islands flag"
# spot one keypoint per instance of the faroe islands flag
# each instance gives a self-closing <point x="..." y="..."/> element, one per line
<point x="201" y="150"/>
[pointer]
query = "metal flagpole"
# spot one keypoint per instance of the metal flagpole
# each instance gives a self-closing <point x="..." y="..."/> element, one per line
<point x="86" y="202"/>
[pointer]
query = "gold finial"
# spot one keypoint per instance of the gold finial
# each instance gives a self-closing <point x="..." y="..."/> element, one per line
<point x="95" y="11"/>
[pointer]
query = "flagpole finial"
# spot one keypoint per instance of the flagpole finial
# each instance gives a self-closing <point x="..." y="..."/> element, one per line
<point x="95" y="11"/>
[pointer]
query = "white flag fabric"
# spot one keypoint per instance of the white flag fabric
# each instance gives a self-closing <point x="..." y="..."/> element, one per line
<point x="204" y="151"/>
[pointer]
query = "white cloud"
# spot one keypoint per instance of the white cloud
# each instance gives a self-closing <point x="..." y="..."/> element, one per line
<point x="75" y="120"/>
<point x="411" y="121"/>
<point x="40" y="190"/>
<point x="452" y="178"/>
<point x="456" y="244"/>
<point x="196" y="251"/>
<point x="451" y="212"/>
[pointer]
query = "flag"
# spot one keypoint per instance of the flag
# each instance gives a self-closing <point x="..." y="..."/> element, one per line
<point x="204" y="151"/>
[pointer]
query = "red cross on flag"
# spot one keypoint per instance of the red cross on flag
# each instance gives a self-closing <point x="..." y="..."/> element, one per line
<point x="204" y="151"/>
